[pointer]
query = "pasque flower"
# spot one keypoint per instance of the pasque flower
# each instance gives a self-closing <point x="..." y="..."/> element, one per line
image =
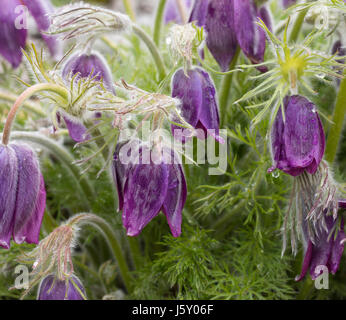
<point x="198" y="98"/>
<point x="52" y="288"/>
<point x="23" y="195"/>
<point x="297" y="139"/>
<point x="148" y="181"/>
<point x="229" y="24"/>
<point x="83" y="66"/>
<point x="13" y="37"/>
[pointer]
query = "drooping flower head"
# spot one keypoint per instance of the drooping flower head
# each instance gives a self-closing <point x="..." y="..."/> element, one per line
<point x="13" y="35"/>
<point x="198" y="98"/>
<point x="148" y="182"/>
<point x="23" y="195"/>
<point x="297" y="138"/>
<point x="51" y="288"/>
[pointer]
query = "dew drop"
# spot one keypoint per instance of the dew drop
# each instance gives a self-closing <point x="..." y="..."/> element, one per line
<point x="276" y="174"/>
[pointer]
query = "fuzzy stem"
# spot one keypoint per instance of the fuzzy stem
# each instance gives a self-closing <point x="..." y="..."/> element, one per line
<point x="297" y="26"/>
<point x="129" y="9"/>
<point x="107" y="232"/>
<point x="30" y="106"/>
<point x="338" y="120"/>
<point x="225" y="89"/>
<point x="182" y="11"/>
<point x="22" y="98"/>
<point x="153" y="50"/>
<point x="158" y="21"/>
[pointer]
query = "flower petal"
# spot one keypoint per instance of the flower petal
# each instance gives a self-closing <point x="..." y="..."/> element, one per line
<point x="144" y="193"/>
<point x="12" y="39"/>
<point x="199" y="12"/>
<point x="76" y="128"/>
<point x="8" y="183"/>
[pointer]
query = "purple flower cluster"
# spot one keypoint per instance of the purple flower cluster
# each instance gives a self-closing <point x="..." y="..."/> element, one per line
<point x="232" y="23"/>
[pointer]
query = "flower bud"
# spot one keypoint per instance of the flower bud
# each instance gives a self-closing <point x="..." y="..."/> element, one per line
<point x="199" y="106"/>
<point x="298" y="142"/>
<point x="23" y="195"/>
<point x="51" y="288"/>
<point x="89" y="66"/>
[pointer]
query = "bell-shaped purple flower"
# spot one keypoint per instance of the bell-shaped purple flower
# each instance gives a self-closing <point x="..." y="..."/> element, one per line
<point x="40" y="10"/>
<point x="326" y="251"/>
<point x="12" y="39"/>
<point x="147" y="186"/>
<point x="297" y="143"/>
<point x="51" y="288"/>
<point x="221" y="38"/>
<point x="22" y="196"/>
<point x="251" y="37"/>
<point x="199" y="106"/>
<point x="89" y="65"/>
<point x="172" y="13"/>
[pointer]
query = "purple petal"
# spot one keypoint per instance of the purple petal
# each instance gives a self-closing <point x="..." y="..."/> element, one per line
<point x="12" y="39"/>
<point x="250" y="36"/>
<point x="175" y="198"/>
<point x="288" y="3"/>
<point x="299" y="143"/>
<point x="144" y="193"/>
<point x="93" y="65"/>
<point x="342" y="203"/>
<point x="306" y="262"/>
<point x="8" y="183"/>
<point x="221" y="37"/>
<point x="76" y="128"/>
<point x="52" y="288"/>
<point x="40" y="10"/>
<point x="337" y="249"/>
<point x="28" y="188"/>
<point x="199" y="12"/>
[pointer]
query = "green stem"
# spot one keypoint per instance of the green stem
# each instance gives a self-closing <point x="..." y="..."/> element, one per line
<point x="225" y="89"/>
<point x="30" y="106"/>
<point x="158" y="21"/>
<point x="297" y="26"/>
<point x="129" y="9"/>
<point x="82" y="183"/>
<point x="112" y="241"/>
<point x="135" y="251"/>
<point x="61" y="91"/>
<point x="338" y="120"/>
<point x="153" y="50"/>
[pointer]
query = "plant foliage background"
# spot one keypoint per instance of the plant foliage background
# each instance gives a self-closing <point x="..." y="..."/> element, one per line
<point x="230" y="246"/>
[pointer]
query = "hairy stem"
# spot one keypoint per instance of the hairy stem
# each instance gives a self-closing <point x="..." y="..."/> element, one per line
<point x="158" y="21"/>
<point x="153" y="50"/>
<point x="23" y="97"/>
<point x="110" y="237"/>
<point x="129" y="9"/>
<point x="297" y="26"/>
<point x="225" y="89"/>
<point x="338" y="120"/>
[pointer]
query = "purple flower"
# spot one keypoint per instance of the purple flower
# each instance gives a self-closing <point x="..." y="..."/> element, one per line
<point x="89" y="65"/>
<point x="12" y="39"/>
<point x="23" y="195"/>
<point x="251" y="37"/>
<point x="221" y="38"/>
<point x="172" y="13"/>
<point x="198" y="101"/>
<point x="326" y="251"/>
<point x="40" y="10"/>
<point x="146" y="185"/>
<point x="342" y="203"/>
<point x="297" y="143"/>
<point x="52" y="288"/>
<point x="199" y="12"/>
<point x="288" y="3"/>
